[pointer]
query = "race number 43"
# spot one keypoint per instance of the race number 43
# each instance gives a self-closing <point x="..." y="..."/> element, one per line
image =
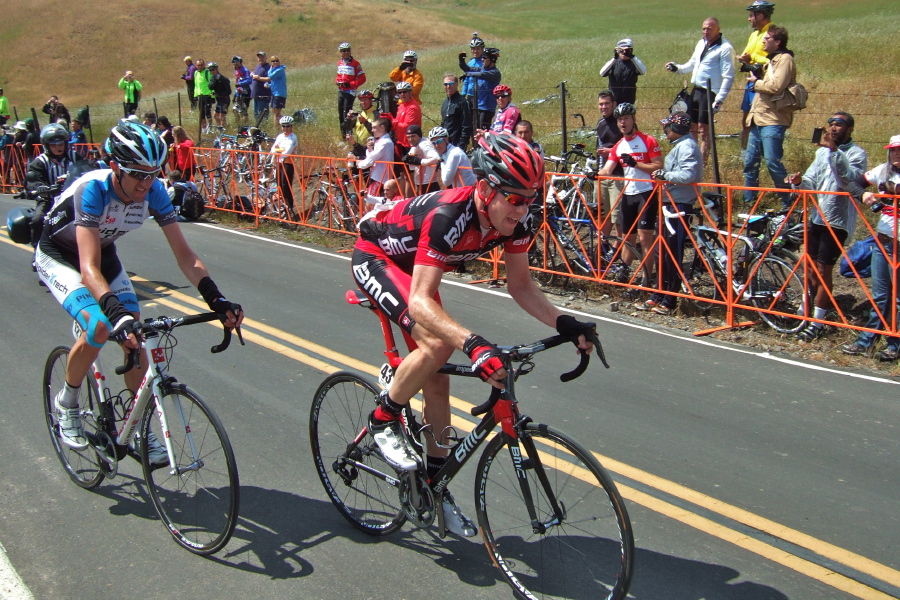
<point x="387" y="376"/>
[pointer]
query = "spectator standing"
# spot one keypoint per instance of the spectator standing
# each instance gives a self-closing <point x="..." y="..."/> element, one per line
<point x="487" y="77"/>
<point x="358" y="125"/>
<point x="507" y="114"/>
<point x="423" y="158"/>
<point x="183" y="148"/>
<point x="277" y="82"/>
<point x="132" y="89"/>
<point x="409" y="73"/>
<point x="31" y="141"/>
<point x="838" y="167"/>
<point x="476" y="62"/>
<point x="350" y="76"/>
<point x="77" y="135"/>
<point x="242" y="81"/>
<point x="639" y="155"/>
<point x="712" y="63"/>
<point x="767" y="120"/>
<point x="456" y="168"/>
<point x="220" y="87"/>
<point x="283" y="147"/>
<point x="682" y="168"/>
<point x="608" y="135"/>
<point x="408" y="113"/>
<point x="525" y="131"/>
<point x="258" y="90"/>
<point x="886" y="177"/>
<point x="203" y="94"/>
<point x="754" y="57"/>
<point x="456" y="116"/>
<point x="4" y="108"/>
<point x="188" y="77"/>
<point x="623" y="70"/>
<point x="379" y="155"/>
<point x="56" y="109"/>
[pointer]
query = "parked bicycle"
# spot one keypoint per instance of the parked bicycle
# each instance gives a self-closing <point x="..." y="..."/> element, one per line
<point x="770" y="283"/>
<point x="549" y="513"/>
<point x="333" y="201"/>
<point x="196" y="491"/>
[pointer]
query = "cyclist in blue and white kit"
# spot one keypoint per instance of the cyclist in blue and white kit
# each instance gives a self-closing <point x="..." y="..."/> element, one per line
<point x="76" y="258"/>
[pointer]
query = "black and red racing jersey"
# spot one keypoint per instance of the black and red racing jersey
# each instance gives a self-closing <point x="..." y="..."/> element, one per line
<point x="440" y="229"/>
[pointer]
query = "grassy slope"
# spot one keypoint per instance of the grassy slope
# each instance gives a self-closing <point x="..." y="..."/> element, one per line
<point x="842" y="49"/>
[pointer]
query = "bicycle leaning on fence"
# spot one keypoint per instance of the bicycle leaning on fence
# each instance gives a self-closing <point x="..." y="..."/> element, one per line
<point x="549" y="513"/>
<point x="196" y="490"/>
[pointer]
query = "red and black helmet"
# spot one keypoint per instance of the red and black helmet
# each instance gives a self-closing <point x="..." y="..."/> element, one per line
<point x="505" y="160"/>
<point x="502" y="90"/>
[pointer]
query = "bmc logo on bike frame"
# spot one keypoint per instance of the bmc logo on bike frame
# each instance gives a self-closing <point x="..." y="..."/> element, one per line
<point x="468" y="444"/>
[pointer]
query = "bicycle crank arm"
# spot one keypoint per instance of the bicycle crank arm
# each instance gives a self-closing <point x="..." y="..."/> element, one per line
<point x="392" y="481"/>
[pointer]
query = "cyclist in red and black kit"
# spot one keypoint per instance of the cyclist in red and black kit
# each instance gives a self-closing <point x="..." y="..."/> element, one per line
<point x="398" y="262"/>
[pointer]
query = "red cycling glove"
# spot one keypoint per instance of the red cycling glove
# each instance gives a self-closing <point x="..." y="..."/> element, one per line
<point x="484" y="355"/>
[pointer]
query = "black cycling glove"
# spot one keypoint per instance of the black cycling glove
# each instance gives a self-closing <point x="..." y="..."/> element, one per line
<point x="569" y="326"/>
<point x="115" y="311"/>
<point x="214" y="298"/>
<point x="412" y="160"/>
<point x="628" y="160"/>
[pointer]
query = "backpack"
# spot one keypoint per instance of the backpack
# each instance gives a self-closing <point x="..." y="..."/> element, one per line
<point x="681" y="102"/>
<point x="220" y="86"/>
<point x="792" y="98"/>
<point x="84" y="117"/>
<point x="304" y="116"/>
<point x="860" y="254"/>
<point x="192" y="205"/>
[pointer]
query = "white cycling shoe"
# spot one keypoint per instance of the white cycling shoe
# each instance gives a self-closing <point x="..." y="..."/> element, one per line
<point x="71" y="428"/>
<point x="393" y="444"/>
<point x="454" y="519"/>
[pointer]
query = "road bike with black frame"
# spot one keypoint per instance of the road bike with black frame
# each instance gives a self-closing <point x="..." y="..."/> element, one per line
<point x="772" y="284"/>
<point x="334" y="201"/>
<point x="549" y="513"/>
<point x="196" y="491"/>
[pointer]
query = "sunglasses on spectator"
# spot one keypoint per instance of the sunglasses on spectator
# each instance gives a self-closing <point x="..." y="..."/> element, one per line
<point x="139" y="175"/>
<point x="275" y="60"/>
<point x="449" y="83"/>
<point x="517" y="199"/>
<point x="837" y="120"/>
<point x="287" y="126"/>
<point x="439" y="140"/>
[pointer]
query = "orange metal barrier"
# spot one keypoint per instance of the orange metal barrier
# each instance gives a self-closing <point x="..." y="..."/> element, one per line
<point x="12" y="169"/>
<point x="568" y="243"/>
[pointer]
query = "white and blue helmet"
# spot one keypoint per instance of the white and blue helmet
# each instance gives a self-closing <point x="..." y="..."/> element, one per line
<point x="132" y="143"/>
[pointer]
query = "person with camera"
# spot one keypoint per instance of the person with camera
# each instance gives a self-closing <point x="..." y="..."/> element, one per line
<point x="838" y="166"/>
<point x="754" y="57"/>
<point x="487" y="77"/>
<point x="242" y="82"/>
<point x="884" y="312"/>
<point x="132" y="89"/>
<point x="767" y="120"/>
<point x="188" y="78"/>
<point x="56" y="109"/>
<point x="711" y="64"/>
<point x="358" y="124"/>
<point x="350" y="76"/>
<point x="409" y="73"/>
<point x="623" y="70"/>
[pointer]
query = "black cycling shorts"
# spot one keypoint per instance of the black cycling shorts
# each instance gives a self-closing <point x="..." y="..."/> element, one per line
<point x="821" y="245"/>
<point x="641" y="208"/>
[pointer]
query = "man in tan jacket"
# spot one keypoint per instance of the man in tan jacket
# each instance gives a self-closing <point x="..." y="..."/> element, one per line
<point x="768" y="123"/>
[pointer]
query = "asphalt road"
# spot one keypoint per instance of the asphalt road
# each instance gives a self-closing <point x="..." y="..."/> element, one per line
<point x="747" y="476"/>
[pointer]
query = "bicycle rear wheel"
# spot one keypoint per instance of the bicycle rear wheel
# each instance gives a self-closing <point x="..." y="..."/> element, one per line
<point x="775" y="287"/>
<point x="362" y="486"/>
<point x="82" y="466"/>
<point x="198" y="499"/>
<point x="586" y="549"/>
<point x="544" y="254"/>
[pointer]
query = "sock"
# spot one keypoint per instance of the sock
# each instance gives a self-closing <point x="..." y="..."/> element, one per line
<point x="434" y="464"/>
<point x="388" y="410"/>
<point x="69" y="396"/>
<point x="819" y="313"/>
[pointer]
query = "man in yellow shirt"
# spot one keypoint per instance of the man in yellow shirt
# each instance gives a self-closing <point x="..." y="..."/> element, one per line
<point x="408" y="71"/>
<point x="358" y="124"/>
<point x="754" y="56"/>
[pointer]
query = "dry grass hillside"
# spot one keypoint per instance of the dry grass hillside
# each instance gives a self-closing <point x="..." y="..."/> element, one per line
<point x="80" y="48"/>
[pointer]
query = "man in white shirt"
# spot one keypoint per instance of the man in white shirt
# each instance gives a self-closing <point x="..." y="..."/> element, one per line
<point x="452" y="158"/>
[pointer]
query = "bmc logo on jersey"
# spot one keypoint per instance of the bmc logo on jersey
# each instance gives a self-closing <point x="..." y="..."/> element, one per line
<point x="452" y="236"/>
<point x="393" y="246"/>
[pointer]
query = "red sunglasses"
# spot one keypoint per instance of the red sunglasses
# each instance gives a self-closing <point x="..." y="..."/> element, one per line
<point x="517" y="199"/>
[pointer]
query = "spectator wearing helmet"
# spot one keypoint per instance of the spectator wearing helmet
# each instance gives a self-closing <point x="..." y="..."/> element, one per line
<point x="423" y="159"/>
<point x="639" y="155"/>
<point x="487" y="77"/>
<point x="220" y="86"/>
<point x="404" y="251"/>
<point x="358" y="125"/>
<point x="379" y="155"/>
<point x="276" y="80"/>
<point x="259" y="91"/>
<point x="507" y="114"/>
<point x="132" y="89"/>
<point x="885" y="302"/>
<point x="711" y="64"/>
<point x="45" y="170"/>
<point x="683" y="167"/>
<point x="409" y="73"/>
<point x="183" y="149"/>
<point x="188" y="77"/>
<point x="476" y="62"/>
<point x="242" y="81"/>
<point x="77" y="260"/>
<point x="203" y="93"/>
<point x="456" y="114"/>
<point x="350" y="76"/>
<point x="56" y="109"/>
<point x="284" y="146"/>
<point x="456" y="168"/>
<point x="754" y="57"/>
<point x="610" y="189"/>
<point x="623" y="70"/>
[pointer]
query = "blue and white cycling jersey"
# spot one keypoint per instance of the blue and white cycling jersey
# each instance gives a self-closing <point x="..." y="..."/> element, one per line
<point x="91" y="201"/>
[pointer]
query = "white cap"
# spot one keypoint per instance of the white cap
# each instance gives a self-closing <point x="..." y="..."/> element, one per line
<point x="21" y="126"/>
<point x="625" y="43"/>
<point x="894" y="143"/>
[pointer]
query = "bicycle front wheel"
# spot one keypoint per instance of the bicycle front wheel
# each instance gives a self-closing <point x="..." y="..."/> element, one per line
<point x="82" y="466"/>
<point x="362" y="486"/>
<point x="198" y="495"/>
<point x="775" y="287"/>
<point x="581" y="545"/>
